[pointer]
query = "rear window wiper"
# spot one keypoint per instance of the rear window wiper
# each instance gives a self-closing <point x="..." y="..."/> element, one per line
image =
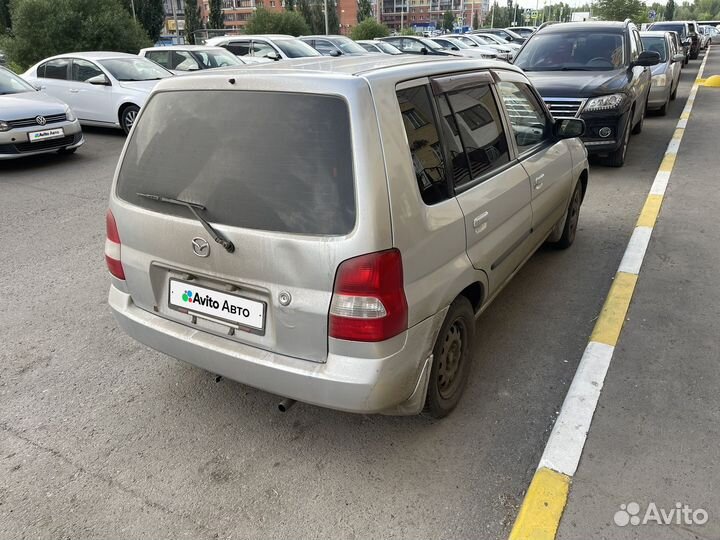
<point x="193" y="207"/>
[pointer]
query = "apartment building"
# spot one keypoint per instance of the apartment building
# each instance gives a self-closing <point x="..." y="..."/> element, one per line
<point x="429" y="13"/>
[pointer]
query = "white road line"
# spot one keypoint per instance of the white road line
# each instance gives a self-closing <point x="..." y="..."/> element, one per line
<point x="635" y="251"/>
<point x="566" y="442"/>
<point x="660" y="184"/>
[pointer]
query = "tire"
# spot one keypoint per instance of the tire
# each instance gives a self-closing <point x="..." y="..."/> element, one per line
<point x="673" y="94"/>
<point x="617" y="158"/>
<point x="127" y="117"/>
<point x="571" y="222"/>
<point x="66" y="151"/>
<point x="452" y="358"/>
<point x="637" y="128"/>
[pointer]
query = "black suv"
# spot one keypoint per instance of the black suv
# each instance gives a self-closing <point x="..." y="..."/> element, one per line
<point x="687" y="32"/>
<point x="596" y="71"/>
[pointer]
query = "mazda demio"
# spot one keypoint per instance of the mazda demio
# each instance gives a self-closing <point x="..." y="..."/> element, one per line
<point x="329" y="230"/>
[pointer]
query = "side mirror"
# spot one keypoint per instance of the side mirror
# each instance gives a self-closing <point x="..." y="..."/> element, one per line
<point x="647" y="59"/>
<point x="37" y="86"/>
<point x="423" y="51"/>
<point x="273" y="55"/>
<point x="569" y="128"/>
<point x="509" y="39"/>
<point x="335" y="52"/>
<point x="99" y="80"/>
<point x="678" y="58"/>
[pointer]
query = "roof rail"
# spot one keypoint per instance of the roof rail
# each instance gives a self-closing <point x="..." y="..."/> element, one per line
<point x="627" y="21"/>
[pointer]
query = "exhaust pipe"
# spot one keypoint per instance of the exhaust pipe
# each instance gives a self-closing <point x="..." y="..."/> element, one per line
<point x="285" y="404"/>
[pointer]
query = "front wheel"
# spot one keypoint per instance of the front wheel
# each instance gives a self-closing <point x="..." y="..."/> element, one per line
<point x="128" y="116"/>
<point x="452" y="355"/>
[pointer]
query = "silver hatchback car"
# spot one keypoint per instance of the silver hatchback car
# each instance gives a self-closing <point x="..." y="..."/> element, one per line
<point x="335" y="226"/>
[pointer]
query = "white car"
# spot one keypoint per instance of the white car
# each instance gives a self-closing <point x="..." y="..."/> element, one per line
<point x="182" y="59"/>
<point x="451" y="43"/>
<point x="498" y="41"/>
<point x="104" y="89"/>
<point x="504" y="52"/>
<point x="270" y="46"/>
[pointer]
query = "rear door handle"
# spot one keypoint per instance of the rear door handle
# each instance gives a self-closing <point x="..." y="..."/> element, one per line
<point x="74" y="91"/>
<point x="480" y="222"/>
<point x="539" y="182"/>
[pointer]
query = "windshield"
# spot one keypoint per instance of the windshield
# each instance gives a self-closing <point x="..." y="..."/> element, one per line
<point x="135" y="69"/>
<point x="573" y="51"/>
<point x="656" y="44"/>
<point x="294" y="48"/>
<point x="388" y="48"/>
<point x="348" y="46"/>
<point x="271" y="161"/>
<point x="12" y="84"/>
<point x="669" y="27"/>
<point x="484" y="40"/>
<point x="216" y="58"/>
<point x="459" y="44"/>
<point x="523" y="32"/>
<point x="490" y="38"/>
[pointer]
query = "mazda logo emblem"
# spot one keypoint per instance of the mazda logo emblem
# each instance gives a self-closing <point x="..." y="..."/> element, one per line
<point x="40" y="120"/>
<point x="200" y="247"/>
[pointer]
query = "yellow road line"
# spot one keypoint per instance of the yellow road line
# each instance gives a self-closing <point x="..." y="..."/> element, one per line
<point x="651" y="209"/>
<point x="539" y="516"/>
<point x="612" y="317"/>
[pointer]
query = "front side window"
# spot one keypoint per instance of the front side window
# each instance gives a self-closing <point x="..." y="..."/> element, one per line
<point x="184" y="61"/>
<point x="261" y="49"/>
<point x="55" y="69"/>
<point x="324" y="47"/>
<point x="634" y="47"/>
<point x="528" y="120"/>
<point x="573" y="51"/>
<point x="82" y="70"/>
<point x="477" y="121"/>
<point x="424" y="143"/>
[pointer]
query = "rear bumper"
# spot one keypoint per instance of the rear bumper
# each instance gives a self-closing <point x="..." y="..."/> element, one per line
<point x="361" y="385"/>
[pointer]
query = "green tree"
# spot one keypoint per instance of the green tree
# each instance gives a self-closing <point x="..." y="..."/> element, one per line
<point x="192" y="20"/>
<point x="4" y="16"/>
<point x="475" y="21"/>
<point x="333" y="17"/>
<point x="619" y="10"/>
<point x="289" y="5"/>
<point x="150" y="14"/>
<point x="270" y="22"/>
<point x="364" y="10"/>
<point x="43" y="28"/>
<point x="407" y="31"/>
<point x="670" y="10"/>
<point x="448" y="21"/>
<point x="216" y="18"/>
<point x="369" y="29"/>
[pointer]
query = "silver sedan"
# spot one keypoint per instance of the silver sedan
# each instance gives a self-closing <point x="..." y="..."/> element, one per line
<point x="666" y="74"/>
<point x="32" y="122"/>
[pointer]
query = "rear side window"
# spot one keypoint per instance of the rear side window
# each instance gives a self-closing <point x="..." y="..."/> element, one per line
<point x="424" y="142"/>
<point x="55" y="69"/>
<point x="260" y="160"/>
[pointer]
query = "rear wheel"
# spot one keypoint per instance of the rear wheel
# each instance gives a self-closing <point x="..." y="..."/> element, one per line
<point x="452" y="357"/>
<point x="128" y="116"/>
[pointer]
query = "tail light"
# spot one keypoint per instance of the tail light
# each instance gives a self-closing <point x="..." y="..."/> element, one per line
<point x="368" y="302"/>
<point x="112" y="247"/>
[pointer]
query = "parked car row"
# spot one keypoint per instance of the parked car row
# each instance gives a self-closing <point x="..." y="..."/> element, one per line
<point x="609" y="74"/>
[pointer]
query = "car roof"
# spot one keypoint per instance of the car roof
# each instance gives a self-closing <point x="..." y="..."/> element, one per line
<point x="92" y="55"/>
<point x="397" y="67"/>
<point x="588" y="26"/>
<point x="653" y="33"/>
<point x="184" y="48"/>
<point x="329" y="36"/>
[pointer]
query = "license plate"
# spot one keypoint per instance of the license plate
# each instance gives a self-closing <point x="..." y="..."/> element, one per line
<point x="189" y="297"/>
<point x="46" y="134"/>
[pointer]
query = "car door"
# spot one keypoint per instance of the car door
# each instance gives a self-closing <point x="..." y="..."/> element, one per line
<point x="640" y="84"/>
<point x="54" y="76"/>
<point x="91" y="102"/>
<point x="491" y="186"/>
<point x="548" y="162"/>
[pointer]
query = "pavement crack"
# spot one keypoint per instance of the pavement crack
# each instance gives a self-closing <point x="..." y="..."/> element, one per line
<point x="111" y="482"/>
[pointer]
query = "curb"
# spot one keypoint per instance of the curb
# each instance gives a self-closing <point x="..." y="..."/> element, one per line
<point x="546" y="497"/>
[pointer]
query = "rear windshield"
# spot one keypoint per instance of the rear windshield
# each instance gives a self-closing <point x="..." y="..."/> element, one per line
<point x="669" y="27"/>
<point x="261" y="160"/>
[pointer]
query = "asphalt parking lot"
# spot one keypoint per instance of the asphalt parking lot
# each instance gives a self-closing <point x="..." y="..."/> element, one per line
<point x="104" y="437"/>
